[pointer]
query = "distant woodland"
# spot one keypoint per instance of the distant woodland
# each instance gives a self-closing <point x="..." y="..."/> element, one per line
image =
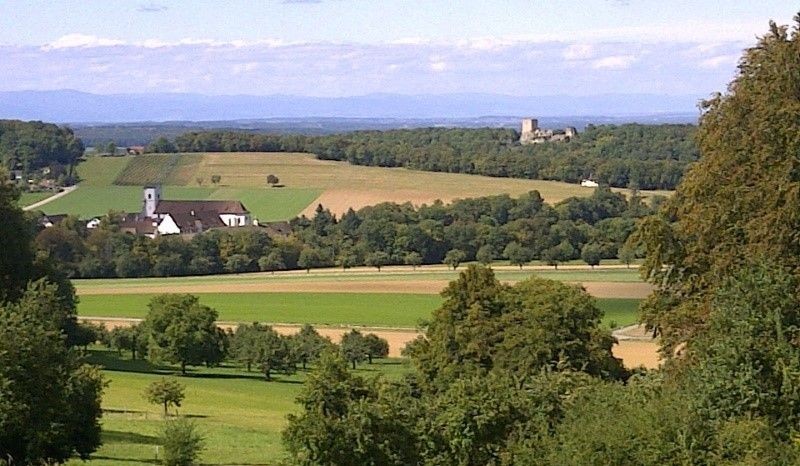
<point x="30" y="146"/>
<point x="625" y="156"/>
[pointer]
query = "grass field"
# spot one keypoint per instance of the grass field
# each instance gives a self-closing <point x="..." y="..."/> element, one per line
<point x="27" y="199"/>
<point x="361" y="309"/>
<point x="239" y="413"/>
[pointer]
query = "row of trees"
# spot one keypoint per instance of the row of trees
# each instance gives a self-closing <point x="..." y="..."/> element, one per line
<point x="482" y="229"/>
<point x="633" y="155"/>
<point x="180" y="330"/>
<point x="522" y="375"/>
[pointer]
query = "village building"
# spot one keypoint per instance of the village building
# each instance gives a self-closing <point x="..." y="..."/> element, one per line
<point x="168" y="217"/>
<point x="532" y="134"/>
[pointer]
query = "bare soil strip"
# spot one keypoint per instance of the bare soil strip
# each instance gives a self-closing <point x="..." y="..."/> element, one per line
<point x="633" y="352"/>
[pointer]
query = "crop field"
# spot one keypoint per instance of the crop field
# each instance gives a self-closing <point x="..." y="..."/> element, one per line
<point x="358" y="309"/>
<point x="239" y="413"/>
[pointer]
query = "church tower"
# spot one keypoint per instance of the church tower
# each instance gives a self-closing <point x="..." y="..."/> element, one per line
<point x="152" y="196"/>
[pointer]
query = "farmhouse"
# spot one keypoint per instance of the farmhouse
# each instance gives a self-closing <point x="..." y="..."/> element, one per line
<point x="532" y="134"/>
<point x="166" y="217"/>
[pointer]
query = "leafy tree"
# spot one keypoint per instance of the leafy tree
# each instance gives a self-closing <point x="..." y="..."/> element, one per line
<point x="271" y="262"/>
<point x="182" y="443"/>
<point x="131" y="339"/>
<point x="485" y="255"/>
<point x="559" y="253"/>
<point x="215" y="179"/>
<point x="16" y="255"/>
<point x="165" y="392"/>
<point x="307" y="345"/>
<point x="244" y="348"/>
<point x="338" y="414"/>
<point x="517" y="254"/>
<point x="627" y="254"/>
<point x="238" y="263"/>
<point x="49" y="400"/>
<point x="377" y="347"/>
<point x="111" y="148"/>
<point x="591" y="254"/>
<point x="354" y="347"/>
<point x="161" y="145"/>
<point x="309" y="258"/>
<point x="180" y="330"/>
<point x="377" y="259"/>
<point x="274" y="352"/>
<point x="738" y="201"/>
<point x="272" y="180"/>
<point x="454" y="257"/>
<point x="413" y="258"/>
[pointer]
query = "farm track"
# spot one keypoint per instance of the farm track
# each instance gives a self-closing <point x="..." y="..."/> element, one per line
<point x="633" y="352"/>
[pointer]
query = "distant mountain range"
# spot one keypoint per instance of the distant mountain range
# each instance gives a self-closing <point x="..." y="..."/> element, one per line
<point x="67" y="106"/>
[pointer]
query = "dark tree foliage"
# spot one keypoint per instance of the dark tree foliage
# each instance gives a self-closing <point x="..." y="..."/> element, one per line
<point x="34" y="145"/>
<point x="633" y="155"/>
<point x="741" y="200"/>
<point x="519" y="230"/>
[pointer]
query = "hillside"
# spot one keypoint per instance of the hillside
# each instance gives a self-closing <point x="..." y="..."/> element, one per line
<point x="115" y="183"/>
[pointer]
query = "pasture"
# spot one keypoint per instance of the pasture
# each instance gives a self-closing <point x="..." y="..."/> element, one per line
<point x="239" y="413"/>
<point x="27" y="199"/>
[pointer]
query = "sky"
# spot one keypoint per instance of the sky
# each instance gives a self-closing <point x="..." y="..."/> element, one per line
<point x="337" y="48"/>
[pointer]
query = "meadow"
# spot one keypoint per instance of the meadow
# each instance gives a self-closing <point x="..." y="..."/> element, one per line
<point x="27" y="199"/>
<point x="114" y="183"/>
<point x="240" y="414"/>
<point x="393" y="310"/>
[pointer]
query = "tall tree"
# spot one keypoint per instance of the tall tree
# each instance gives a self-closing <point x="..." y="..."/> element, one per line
<point x="180" y="330"/>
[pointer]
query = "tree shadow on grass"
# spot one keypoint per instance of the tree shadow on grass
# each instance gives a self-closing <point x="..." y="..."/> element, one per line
<point x="127" y="460"/>
<point x="111" y="361"/>
<point x="116" y="436"/>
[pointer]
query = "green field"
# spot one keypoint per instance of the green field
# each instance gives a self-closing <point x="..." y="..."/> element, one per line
<point x="239" y="413"/>
<point x="27" y="199"/>
<point x="363" y="309"/>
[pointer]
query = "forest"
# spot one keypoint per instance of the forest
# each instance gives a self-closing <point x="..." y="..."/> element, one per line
<point x="33" y="145"/>
<point x="481" y="229"/>
<point x="626" y="156"/>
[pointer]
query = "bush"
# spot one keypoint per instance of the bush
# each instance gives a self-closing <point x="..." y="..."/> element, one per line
<point x="182" y="443"/>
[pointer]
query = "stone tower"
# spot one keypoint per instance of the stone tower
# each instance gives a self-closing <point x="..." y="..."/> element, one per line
<point x="529" y="125"/>
<point x="152" y="195"/>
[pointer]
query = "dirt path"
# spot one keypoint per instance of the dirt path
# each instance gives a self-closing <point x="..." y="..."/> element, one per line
<point x="63" y="193"/>
<point x="634" y="352"/>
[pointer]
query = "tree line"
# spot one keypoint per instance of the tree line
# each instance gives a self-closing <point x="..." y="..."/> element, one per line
<point x="180" y="330"/>
<point x="482" y="229"/>
<point x="626" y="156"/>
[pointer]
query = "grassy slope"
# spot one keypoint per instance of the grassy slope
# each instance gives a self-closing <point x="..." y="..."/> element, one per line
<point x="27" y="199"/>
<point x="239" y="413"/>
<point x="98" y="194"/>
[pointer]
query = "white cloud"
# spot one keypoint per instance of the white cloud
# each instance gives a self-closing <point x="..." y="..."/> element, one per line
<point x="579" y="52"/>
<point x="81" y="41"/>
<point x="614" y="62"/>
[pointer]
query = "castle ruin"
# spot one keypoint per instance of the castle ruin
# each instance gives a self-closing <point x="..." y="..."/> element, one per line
<point x="532" y="134"/>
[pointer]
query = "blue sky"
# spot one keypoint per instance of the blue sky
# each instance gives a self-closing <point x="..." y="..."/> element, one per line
<point x="354" y="47"/>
